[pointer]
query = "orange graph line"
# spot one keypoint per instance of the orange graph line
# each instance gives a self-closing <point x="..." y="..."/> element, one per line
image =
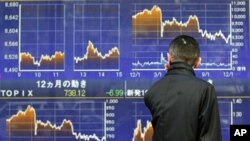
<point x="27" y="57"/>
<point x="146" y="134"/>
<point x="153" y="17"/>
<point x="29" y="117"/>
<point x="93" y="52"/>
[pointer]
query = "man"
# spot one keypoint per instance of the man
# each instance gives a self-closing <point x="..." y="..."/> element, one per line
<point x="183" y="107"/>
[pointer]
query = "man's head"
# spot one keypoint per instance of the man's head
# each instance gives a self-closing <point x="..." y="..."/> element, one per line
<point x="184" y="49"/>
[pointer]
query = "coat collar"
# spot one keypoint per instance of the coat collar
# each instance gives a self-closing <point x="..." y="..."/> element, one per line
<point x="180" y="68"/>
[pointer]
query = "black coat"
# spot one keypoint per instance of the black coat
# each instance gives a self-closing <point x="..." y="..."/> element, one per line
<point x="183" y="107"/>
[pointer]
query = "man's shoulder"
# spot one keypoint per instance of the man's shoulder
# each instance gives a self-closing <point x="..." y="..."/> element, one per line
<point x="175" y="83"/>
<point x="191" y="82"/>
<point x="204" y="82"/>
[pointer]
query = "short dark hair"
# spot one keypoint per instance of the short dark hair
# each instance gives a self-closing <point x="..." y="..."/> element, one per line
<point x="184" y="49"/>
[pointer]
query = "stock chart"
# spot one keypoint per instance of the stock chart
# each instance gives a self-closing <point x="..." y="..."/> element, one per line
<point x="78" y="70"/>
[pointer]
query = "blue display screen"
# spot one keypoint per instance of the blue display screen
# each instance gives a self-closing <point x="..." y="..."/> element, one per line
<point x="78" y="70"/>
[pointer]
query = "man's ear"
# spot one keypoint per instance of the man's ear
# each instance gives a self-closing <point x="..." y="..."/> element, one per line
<point x="169" y="59"/>
<point x="197" y="63"/>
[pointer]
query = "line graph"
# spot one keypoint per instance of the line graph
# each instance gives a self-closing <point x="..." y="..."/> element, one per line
<point x="57" y="121"/>
<point x="156" y="62"/>
<point x="28" y="61"/>
<point x="151" y="21"/>
<point x="96" y="37"/>
<point x="41" y="37"/>
<point x="154" y="26"/>
<point x="143" y="128"/>
<point x="145" y="134"/>
<point x="94" y="59"/>
<point x="211" y="60"/>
